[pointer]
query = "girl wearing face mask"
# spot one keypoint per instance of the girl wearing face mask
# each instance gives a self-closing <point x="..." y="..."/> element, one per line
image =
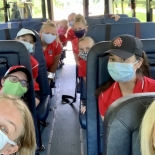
<point x="129" y="71"/>
<point x="15" y="81"/>
<point x="62" y="27"/>
<point x="147" y="131"/>
<point x="17" y="133"/>
<point x="51" y="46"/>
<point x="70" y="33"/>
<point x="27" y="37"/>
<point x="84" y="45"/>
<point x="80" y="28"/>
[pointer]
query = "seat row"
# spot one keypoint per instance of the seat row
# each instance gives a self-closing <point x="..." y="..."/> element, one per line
<point x="16" y="53"/>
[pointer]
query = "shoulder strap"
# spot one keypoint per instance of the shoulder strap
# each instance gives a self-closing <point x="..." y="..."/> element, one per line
<point x="7" y="34"/>
<point x="65" y="99"/>
<point x="108" y="31"/>
<point x="137" y="29"/>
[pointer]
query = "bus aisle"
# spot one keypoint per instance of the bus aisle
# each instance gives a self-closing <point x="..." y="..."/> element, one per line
<point x="62" y="135"/>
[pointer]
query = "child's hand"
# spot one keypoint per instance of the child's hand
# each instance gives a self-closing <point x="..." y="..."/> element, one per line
<point x="83" y="109"/>
<point x="116" y="17"/>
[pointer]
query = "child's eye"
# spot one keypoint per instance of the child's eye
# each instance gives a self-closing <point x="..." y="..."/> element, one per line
<point x="111" y="59"/>
<point x="122" y="60"/>
<point x="3" y="129"/>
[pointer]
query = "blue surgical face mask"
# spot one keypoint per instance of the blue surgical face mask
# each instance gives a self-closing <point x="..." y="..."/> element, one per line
<point x="28" y="46"/>
<point x="121" y="72"/>
<point x="80" y="33"/>
<point x="4" y="140"/>
<point x="71" y="23"/>
<point x="48" y="38"/>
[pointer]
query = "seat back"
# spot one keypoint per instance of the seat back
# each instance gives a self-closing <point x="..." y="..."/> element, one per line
<point x="97" y="74"/>
<point x="121" y="20"/>
<point x="16" y="54"/>
<point x="92" y="116"/>
<point x="95" y="21"/>
<point x="28" y="19"/>
<point x="105" y="16"/>
<point x="30" y="24"/>
<point x="107" y="32"/>
<point x="110" y="15"/>
<point x="44" y="106"/>
<point x="8" y="25"/>
<point x="122" y="122"/>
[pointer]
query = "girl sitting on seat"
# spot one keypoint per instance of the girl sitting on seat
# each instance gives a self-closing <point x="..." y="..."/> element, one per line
<point x="84" y="46"/>
<point x="51" y="47"/>
<point x="17" y="132"/>
<point x="62" y="27"/>
<point x="28" y="38"/>
<point x="15" y="81"/>
<point x="129" y="71"/>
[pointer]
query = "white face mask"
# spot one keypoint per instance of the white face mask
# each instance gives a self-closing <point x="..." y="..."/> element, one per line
<point x="83" y="55"/>
<point x="4" y="140"/>
<point x="48" y="38"/>
<point x="28" y="46"/>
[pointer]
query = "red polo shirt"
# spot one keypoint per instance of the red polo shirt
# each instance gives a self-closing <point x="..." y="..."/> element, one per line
<point x="70" y="35"/>
<point x="75" y="46"/>
<point x="82" y="68"/>
<point x="113" y="93"/>
<point x="51" y="51"/>
<point x="35" y="66"/>
<point x="63" y="40"/>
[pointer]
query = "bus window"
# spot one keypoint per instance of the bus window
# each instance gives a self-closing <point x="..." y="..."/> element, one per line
<point x="96" y="7"/>
<point x="63" y="8"/>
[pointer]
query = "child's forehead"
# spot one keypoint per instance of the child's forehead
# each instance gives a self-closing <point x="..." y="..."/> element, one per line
<point x="62" y="24"/>
<point x="26" y="35"/>
<point x="86" y="42"/>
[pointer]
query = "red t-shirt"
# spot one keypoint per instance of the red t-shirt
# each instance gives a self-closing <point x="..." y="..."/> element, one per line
<point x="63" y="40"/>
<point x="82" y="68"/>
<point x="35" y="66"/>
<point x="113" y="93"/>
<point x="70" y="35"/>
<point x="51" y="51"/>
<point x="75" y="46"/>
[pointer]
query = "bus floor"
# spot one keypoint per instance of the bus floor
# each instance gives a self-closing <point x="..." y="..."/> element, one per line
<point x="62" y="135"/>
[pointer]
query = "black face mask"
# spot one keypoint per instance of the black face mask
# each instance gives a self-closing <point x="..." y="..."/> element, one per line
<point x="80" y="33"/>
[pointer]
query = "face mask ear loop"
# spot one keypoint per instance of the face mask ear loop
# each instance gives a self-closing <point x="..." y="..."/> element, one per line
<point x="136" y="62"/>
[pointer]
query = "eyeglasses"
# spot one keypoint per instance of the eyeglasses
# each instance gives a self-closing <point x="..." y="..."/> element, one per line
<point x="15" y="79"/>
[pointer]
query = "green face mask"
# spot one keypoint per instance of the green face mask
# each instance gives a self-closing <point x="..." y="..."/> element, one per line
<point x="15" y="89"/>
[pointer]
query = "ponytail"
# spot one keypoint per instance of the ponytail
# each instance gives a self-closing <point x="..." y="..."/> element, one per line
<point x="104" y="87"/>
<point x="144" y="69"/>
<point x="80" y="18"/>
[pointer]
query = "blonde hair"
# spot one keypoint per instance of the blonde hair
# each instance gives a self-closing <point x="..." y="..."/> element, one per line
<point x="63" y="21"/>
<point x="49" y="23"/>
<point x="27" y="139"/>
<point x="80" y="18"/>
<point x="87" y="38"/>
<point x="72" y="14"/>
<point x="147" y="128"/>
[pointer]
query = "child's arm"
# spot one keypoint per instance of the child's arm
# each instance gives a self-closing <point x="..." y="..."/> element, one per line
<point x="76" y="59"/>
